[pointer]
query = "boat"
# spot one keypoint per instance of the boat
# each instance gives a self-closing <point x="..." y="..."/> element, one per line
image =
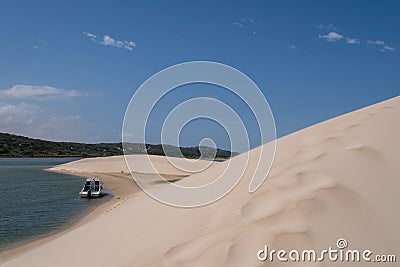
<point x="92" y="188"/>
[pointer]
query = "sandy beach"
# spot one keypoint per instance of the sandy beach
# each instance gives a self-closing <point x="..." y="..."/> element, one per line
<point x="114" y="174"/>
<point x="337" y="179"/>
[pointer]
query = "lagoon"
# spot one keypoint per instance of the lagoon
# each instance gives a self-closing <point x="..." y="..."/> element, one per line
<point x="35" y="203"/>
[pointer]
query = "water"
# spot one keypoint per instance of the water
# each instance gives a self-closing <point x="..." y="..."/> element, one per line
<point x="35" y="203"/>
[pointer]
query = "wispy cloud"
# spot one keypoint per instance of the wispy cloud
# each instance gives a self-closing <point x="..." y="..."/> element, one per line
<point x="34" y="121"/>
<point x="292" y="47"/>
<point x="352" y="40"/>
<point x="25" y="114"/>
<point x="389" y="48"/>
<point x="243" y="22"/>
<point x="334" y="36"/>
<point x="21" y="112"/>
<point x="328" y="27"/>
<point x="37" y="92"/>
<point x="107" y="40"/>
<point x="238" y="24"/>
<point x="91" y="36"/>
<point x="14" y="118"/>
<point x="381" y="45"/>
<point x="331" y="36"/>
<point x="37" y="44"/>
<point x="250" y="20"/>
<point x="375" y="42"/>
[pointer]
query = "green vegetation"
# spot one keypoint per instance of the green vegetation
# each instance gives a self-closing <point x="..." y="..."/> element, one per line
<point x="20" y="146"/>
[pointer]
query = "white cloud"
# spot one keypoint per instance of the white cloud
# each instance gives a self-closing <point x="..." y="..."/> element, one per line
<point x="49" y="121"/>
<point x="376" y="42"/>
<point x="389" y="48"/>
<point x="250" y="20"/>
<point x="9" y="110"/>
<point x="334" y="36"/>
<point x="331" y="37"/>
<point x="34" y="121"/>
<point x="241" y="23"/>
<point x="37" y="92"/>
<point x="328" y="27"/>
<point x="238" y="24"/>
<point x="90" y="35"/>
<point x="352" y="40"/>
<point x="381" y="45"/>
<point x="292" y="47"/>
<point x="109" y="41"/>
<point x="14" y="118"/>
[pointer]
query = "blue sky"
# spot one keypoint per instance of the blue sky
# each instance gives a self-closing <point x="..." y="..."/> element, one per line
<point x="313" y="60"/>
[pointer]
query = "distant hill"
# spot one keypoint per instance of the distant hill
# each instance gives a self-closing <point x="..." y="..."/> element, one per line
<point x="20" y="146"/>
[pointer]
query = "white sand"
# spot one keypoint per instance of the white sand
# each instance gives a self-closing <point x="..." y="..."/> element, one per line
<point x="337" y="179"/>
<point x="116" y="164"/>
<point x="114" y="172"/>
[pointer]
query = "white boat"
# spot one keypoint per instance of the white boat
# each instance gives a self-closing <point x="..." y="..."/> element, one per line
<point x="92" y="188"/>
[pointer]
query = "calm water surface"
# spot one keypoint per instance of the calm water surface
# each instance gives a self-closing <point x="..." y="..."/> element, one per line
<point x="35" y="203"/>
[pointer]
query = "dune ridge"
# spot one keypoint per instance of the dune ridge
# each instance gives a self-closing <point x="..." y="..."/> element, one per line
<point x="336" y="179"/>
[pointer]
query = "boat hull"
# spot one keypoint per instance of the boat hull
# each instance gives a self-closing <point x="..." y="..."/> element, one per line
<point x="91" y="195"/>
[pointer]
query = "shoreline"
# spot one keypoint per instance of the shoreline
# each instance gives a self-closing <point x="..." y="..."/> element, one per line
<point x="33" y="242"/>
<point x="216" y="159"/>
<point x="122" y="187"/>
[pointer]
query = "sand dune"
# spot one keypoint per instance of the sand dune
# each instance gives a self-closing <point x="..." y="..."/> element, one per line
<point x="116" y="164"/>
<point x="336" y="179"/>
<point x="114" y="172"/>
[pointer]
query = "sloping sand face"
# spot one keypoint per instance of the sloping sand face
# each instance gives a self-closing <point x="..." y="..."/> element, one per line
<point x="337" y="179"/>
